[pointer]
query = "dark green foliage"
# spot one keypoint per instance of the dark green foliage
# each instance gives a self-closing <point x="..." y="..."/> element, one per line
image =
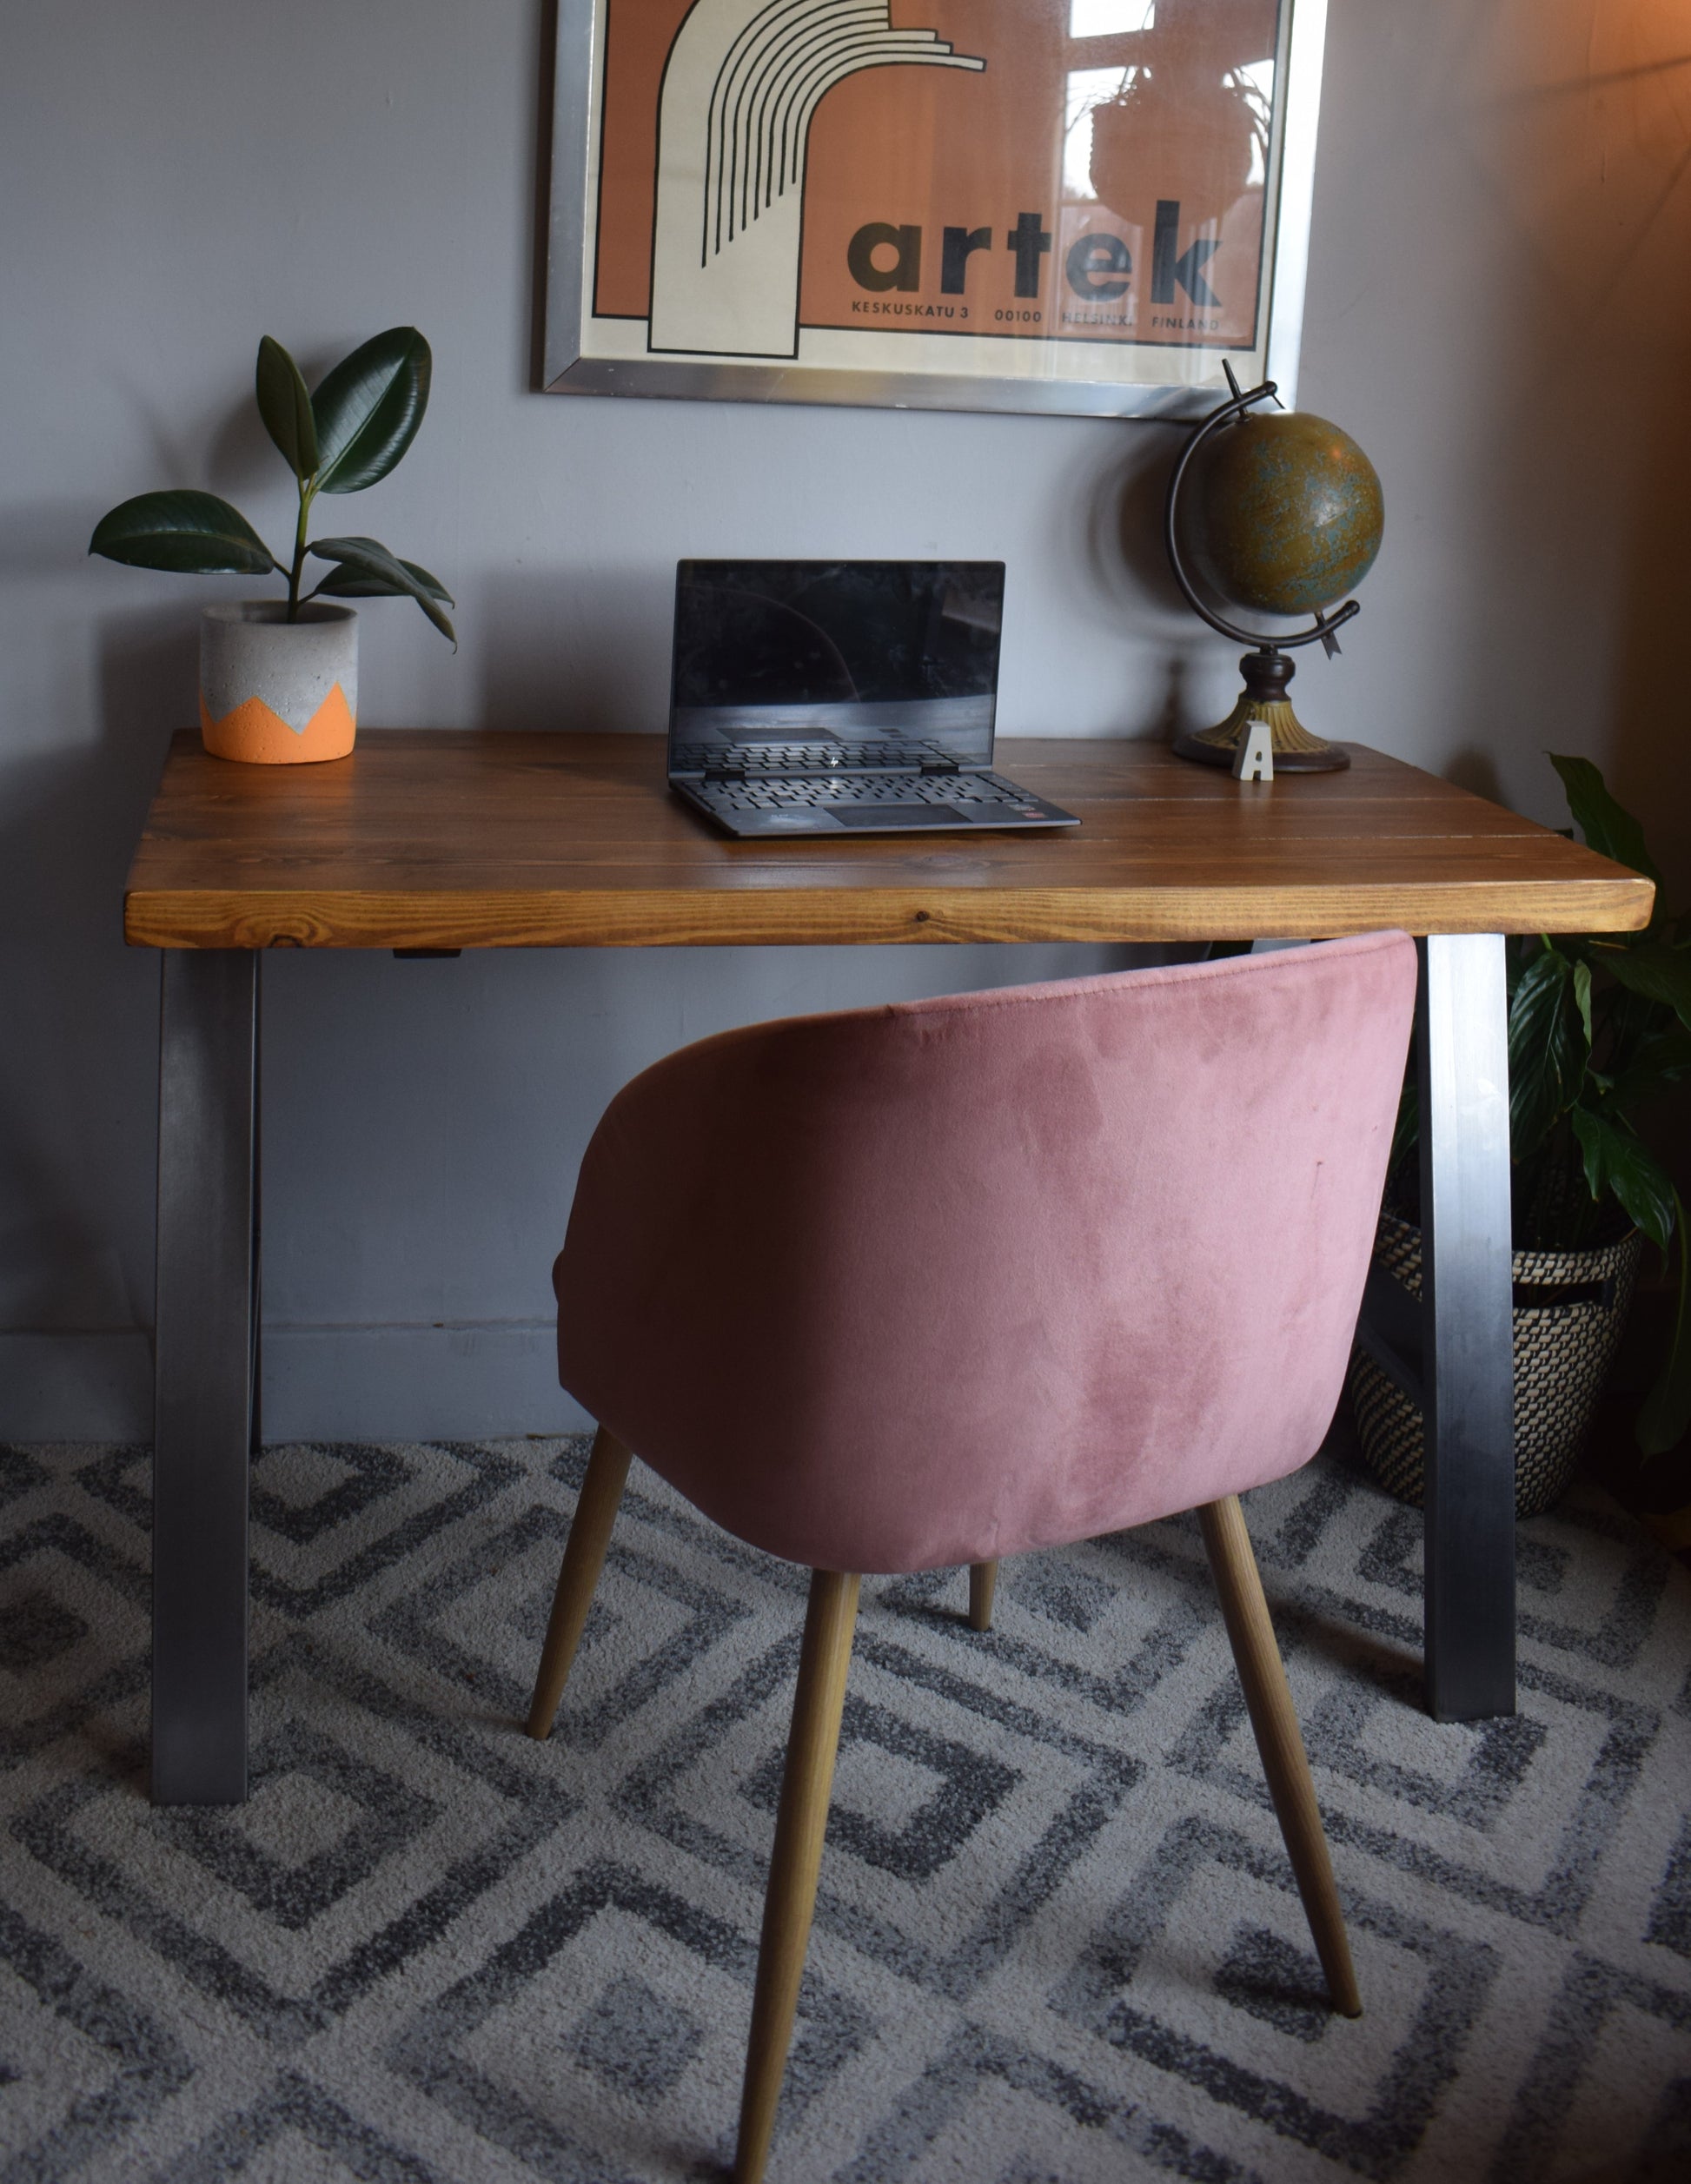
<point x="286" y="408"/>
<point x="191" y="531"/>
<point x="1548" y="1044"/>
<point x="369" y="409"/>
<point x="1607" y="827"/>
<point x="365" y="570"/>
<point x="1600" y="1027"/>
<point x="347" y="435"/>
<point x="1633" y="1018"/>
<point x="1615" y="1161"/>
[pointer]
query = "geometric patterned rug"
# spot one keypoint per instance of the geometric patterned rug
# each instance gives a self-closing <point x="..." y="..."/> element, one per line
<point x="1056" y="1940"/>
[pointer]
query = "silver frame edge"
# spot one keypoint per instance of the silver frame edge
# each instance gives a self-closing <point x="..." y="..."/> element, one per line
<point x="567" y="371"/>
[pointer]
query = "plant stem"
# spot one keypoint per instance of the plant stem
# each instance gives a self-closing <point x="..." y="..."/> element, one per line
<point x="308" y="493"/>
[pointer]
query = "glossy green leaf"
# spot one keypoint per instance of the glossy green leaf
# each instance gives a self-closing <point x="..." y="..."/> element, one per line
<point x="346" y="583"/>
<point x="1666" y="1412"/>
<point x="1618" y="1163"/>
<point x="1655" y="971"/>
<point x="368" y="409"/>
<point x="1607" y="827"/>
<point x="367" y="561"/>
<point x="194" y="532"/>
<point x="1547" y="1049"/>
<point x="285" y="408"/>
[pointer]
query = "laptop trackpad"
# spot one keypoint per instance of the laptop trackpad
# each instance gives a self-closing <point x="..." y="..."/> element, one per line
<point x="898" y="815"/>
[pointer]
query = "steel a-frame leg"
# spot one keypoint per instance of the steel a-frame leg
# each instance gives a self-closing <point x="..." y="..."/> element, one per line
<point x="205" y="1369"/>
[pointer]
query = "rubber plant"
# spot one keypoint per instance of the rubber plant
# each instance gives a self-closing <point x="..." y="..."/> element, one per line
<point x="1599" y="1031"/>
<point x="346" y="434"/>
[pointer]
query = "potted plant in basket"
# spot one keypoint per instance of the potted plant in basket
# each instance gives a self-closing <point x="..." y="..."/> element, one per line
<point x="279" y="679"/>
<point x="1599" y="1028"/>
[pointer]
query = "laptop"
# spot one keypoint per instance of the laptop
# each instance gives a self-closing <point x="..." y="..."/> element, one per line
<point x="831" y="697"/>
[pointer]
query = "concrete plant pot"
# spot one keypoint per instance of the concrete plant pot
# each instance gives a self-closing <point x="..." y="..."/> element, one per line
<point x="275" y="693"/>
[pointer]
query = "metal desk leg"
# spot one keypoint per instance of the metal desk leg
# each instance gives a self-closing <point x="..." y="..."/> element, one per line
<point x="1461" y="1020"/>
<point x="204" y="1352"/>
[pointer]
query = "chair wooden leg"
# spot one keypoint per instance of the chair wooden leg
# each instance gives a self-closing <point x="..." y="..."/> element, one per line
<point x="584" y="1558"/>
<point x="799" y="1826"/>
<point x="982" y="1583"/>
<point x="1279" y="1741"/>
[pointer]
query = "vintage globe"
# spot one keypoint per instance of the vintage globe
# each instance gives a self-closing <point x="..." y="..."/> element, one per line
<point x="1283" y="515"/>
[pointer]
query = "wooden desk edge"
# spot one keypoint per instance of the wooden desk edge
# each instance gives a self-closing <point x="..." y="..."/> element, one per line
<point x="816" y="916"/>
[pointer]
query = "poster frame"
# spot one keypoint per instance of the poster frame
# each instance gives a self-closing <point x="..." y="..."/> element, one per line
<point x="572" y="201"/>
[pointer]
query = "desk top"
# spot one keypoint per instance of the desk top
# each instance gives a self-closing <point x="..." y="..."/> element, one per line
<point x="446" y="838"/>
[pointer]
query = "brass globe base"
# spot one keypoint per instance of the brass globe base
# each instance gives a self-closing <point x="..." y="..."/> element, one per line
<point x="1264" y="698"/>
<point x="1295" y="751"/>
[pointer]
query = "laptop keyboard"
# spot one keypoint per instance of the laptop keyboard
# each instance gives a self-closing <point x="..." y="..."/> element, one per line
<point x="858" y="789"/>
<point x="778" y="759"/>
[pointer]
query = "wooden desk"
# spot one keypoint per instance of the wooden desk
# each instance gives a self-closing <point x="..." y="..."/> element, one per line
<point x="449" y="840"/>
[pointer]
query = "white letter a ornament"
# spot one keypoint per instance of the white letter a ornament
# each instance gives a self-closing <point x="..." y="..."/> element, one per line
<point x="1253" y="754"/>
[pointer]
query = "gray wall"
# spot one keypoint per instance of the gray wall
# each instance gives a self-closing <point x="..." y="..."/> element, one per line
<point x="1497" y="310"/>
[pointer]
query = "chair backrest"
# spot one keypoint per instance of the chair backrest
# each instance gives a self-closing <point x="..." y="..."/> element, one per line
<point x="932" y="1283"/>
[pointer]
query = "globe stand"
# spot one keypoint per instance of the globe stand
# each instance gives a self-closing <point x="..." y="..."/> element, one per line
<point x="1267" y="670"/>
<point x="1264" y="698"/>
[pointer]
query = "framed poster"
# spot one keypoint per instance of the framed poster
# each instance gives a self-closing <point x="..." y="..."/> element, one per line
<point x="1072" y="206"/>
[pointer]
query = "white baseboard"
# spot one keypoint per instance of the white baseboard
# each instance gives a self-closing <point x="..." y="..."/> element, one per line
<point x="468" y="1382"/>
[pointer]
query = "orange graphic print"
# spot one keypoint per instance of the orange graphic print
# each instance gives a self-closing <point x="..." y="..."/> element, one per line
<point x="254" y="732"/>
<point x="1079" y="170"/>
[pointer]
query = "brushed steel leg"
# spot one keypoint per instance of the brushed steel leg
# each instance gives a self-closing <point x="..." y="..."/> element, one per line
<point x="1462" y="1022"/>
<point x="203" y="1373"/>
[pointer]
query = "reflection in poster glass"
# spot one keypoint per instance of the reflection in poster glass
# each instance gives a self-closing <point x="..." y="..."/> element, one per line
<point x="1069" y="205"/>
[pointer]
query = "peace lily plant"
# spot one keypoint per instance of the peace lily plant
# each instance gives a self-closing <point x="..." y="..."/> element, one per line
<point x="1599" y="1038"/>
<point x="1600" y="1030"/>
<point x="348" y="433"/>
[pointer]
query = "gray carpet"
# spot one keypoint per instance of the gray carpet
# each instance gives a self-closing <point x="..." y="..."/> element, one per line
<point x="1056" y="1938"/>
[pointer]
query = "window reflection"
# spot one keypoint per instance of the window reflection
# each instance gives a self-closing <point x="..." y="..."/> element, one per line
<point x="1109" y="18"/>
<point x="1087" y="88"/>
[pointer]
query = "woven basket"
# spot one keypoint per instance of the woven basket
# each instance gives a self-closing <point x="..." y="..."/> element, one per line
<point x="1563" y="1349"/>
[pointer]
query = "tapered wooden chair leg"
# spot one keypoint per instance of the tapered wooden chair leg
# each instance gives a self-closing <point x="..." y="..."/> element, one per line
<point x="1279" y="1741"/>
<point x="799" y="1826"/>
<point x="982" y="1583"/>
<point x="584" y="1558"/>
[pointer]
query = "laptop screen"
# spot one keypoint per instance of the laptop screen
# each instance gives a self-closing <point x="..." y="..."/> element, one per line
<point x="899" y="653"/>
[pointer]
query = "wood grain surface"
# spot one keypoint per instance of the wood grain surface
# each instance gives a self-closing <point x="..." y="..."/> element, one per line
<point x="448" y="838"/>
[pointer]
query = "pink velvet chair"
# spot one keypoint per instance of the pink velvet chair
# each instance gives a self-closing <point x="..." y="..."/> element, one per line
<point x="935" y="1283"/>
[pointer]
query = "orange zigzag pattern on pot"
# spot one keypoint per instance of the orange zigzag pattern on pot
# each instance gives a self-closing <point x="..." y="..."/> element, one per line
<point x="253" y="732"/>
